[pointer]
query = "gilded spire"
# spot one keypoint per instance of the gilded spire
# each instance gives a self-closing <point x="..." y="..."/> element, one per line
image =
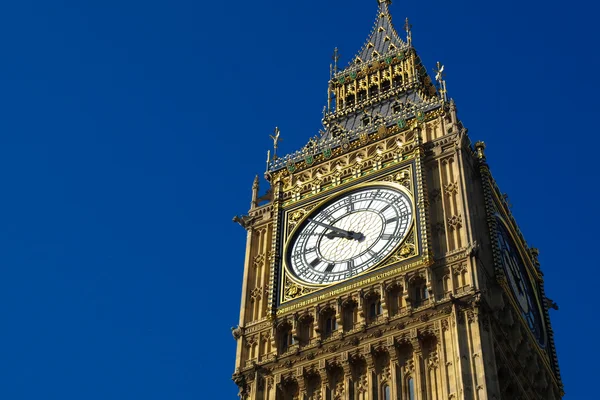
<point x="407" y="28"/>
<point x="383" y="38"/>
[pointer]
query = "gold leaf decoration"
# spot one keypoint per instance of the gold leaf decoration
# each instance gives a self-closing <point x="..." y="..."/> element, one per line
<point x="403" y="177"/>
<point x="292" y="290"/>
<point x="406" y="250"/>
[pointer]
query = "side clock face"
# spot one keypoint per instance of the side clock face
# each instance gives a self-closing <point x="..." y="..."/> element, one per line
<point x="521" y="286"/>
<point x="349" y="234"/>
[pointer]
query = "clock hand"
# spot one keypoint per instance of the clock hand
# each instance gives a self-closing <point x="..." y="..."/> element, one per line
<point x="344" y="233"/>
<point x="332" y="235"/>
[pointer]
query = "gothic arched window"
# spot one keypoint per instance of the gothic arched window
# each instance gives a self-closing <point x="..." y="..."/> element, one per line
<point x="374" y="308"/>
<point x="394" y="300"/>
<point x="305" y="327"/>
<point x="285" y="339"/>
<point x="328" y="323"/>
<point x="348" y="316"/>
<point x="420" y="293"/>
<point x="387" y="393"/>
<point x="410" y="389"/>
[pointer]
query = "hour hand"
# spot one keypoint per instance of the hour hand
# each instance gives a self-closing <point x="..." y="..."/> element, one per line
<point x="333" y="234"/>
<point x="338" y="232"/>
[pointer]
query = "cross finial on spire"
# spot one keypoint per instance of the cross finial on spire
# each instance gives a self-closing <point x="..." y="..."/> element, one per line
<point x="407" y="28"/>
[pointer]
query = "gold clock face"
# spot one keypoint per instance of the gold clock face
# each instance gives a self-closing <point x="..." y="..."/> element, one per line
<point x="350" y="234"/>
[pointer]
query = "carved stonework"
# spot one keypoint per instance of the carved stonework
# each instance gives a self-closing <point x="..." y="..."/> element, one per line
<point x="362" y="384"/>
<point x="433" y="360"/>
<point x="295" y="217"/>
<point x="472" y="316"/>
<point x="403" y="177"/>
<point x="406" y="250"/>
<point x="293" y="290"/>
<point x="338" y="391"/>
<point x="455" y="222"/>
<point x="445" y="325"/>
<point x="410" y="366"/>
<point x="451" y="189"/>
<point x="259" y="260"/>
<point x="256" y="294"/>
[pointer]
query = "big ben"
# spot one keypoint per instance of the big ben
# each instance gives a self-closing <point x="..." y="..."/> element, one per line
<point x="383" y="262"/>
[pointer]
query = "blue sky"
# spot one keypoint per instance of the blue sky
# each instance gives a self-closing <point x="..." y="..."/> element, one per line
<point x="130" y="133"/>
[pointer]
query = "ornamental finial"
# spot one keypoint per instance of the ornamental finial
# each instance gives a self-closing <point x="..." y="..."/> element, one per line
<point x="255" y="189"/>
<point x="335" y="58"/>
<point x="268" y="159"/>
<point x="439" y="77"/>
<point x="480" y="147"/>
<point x="407" y="28"/>
<point x="276" y="140"/>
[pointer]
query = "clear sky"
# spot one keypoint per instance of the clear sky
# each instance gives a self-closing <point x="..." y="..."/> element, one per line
<point x="131" y="131"/>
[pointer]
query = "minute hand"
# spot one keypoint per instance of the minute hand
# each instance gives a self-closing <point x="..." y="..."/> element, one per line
<point x="347" y="234"/>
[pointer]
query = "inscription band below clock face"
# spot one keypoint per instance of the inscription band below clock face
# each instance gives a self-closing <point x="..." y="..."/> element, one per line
<point x="349" y="234"/>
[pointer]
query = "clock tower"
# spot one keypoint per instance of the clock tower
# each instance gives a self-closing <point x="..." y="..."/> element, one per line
<point x="383" y="262"/>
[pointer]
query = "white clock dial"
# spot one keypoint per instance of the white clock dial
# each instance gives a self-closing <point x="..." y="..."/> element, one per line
<point x="349" y="234"/>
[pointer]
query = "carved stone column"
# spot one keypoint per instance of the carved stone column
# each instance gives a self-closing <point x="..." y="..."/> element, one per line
<point x="360" y="320"/>
<point x="338" y="315"/>
<point x="393" y="370"/>
<point x="251" y="391"/>
<point x="405" y="292"/>
<point x="347" y="375"/>
<point x="324" y="379"/>
<point x="451" y="287"/>
<point x="383" y="299"/>
<point x="273" y="338"/>
<point x="276" y="386"/>
<point x="301" y="383"/>
<point x="418" y="377"/>
<point x="429" y="284"/>
<point x="295" y="327"/>
<point x="371" y="379"/>
<point x="270" y="393"/>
